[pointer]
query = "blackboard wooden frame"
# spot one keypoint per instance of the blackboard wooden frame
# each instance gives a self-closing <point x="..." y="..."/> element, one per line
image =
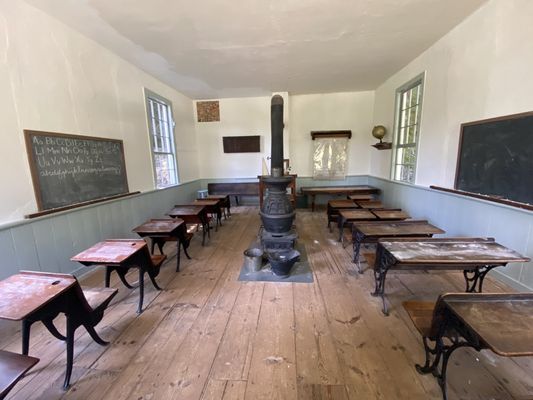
<point x="29" y="134"/>
<point x="458" y="190"/>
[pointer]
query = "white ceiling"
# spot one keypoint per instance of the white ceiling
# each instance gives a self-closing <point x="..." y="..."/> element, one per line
<point x="231" y="48"/>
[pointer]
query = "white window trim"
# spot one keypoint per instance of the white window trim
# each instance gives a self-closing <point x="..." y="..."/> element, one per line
<point x="149" y="94"/>
<point x="397" y="113"/>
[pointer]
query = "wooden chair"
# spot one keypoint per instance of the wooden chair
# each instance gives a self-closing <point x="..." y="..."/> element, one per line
<point x="82" y="307"/>
<point x="13" y="367"/>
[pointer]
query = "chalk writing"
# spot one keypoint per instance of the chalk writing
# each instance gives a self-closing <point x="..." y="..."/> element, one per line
<point x="72" y="169"/>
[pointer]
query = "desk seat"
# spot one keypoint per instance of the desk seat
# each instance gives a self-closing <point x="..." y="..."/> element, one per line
<point x="421" y="314"/>
<point x="13" y="367"/>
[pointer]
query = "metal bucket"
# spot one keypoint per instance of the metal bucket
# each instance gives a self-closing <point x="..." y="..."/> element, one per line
<point x="253" y="259"/>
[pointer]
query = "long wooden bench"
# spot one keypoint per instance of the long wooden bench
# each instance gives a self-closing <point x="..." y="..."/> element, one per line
<point x="234" y="189"/>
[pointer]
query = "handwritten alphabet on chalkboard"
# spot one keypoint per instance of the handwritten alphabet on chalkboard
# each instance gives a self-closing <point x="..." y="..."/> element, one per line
<point x="69" y="169"/>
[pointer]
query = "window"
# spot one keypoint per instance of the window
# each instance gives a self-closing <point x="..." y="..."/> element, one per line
<point x="161" y="126"/>
<point x="407" y="129"/>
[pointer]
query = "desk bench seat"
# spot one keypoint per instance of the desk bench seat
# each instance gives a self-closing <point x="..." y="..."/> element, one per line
<point x="13" y="366"/>
<point x="421" y="314"/>
<point x="234" y="189"/>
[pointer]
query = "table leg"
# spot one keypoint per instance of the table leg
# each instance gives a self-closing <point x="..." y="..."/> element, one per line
<point x="141" y="291"/>
<point x="71" y="328"/>
<point x="340" y="224"/>
<point x="312" y="202"/>
<point x="474" y="278"/>
<point x="444" y="352"/>
<point x="178" y="253"/>
<point x="383" y="262"/>
<point x="49" y="324"/>
<point x="26" y="327"/>
<point x="357" y="238"/>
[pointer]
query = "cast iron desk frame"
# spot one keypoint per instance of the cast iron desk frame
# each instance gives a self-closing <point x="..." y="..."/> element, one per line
<point x="213" y="207"/>
<point x="193" y="214"/>
<point x="370" y="232"/>
<point x="226" y="202"/>
<point x="347" y="216"/>
<point x="499" y="322"/>
<point x="160" y="229"/>
<point x="475" y="267"/>
<point x="120" y="255"/>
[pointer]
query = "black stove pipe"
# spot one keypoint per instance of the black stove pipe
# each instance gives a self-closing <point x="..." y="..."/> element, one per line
<point x="276" y="125"/>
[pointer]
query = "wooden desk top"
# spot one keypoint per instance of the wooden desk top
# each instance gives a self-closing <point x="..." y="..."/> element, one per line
<point x="186" y="210"/>
<point x="396" y="228"/>
<point x="110" y="251"/>
<point x="369" y="204"/>
<point x="361" y="197"/>
<point x="215" y="197"/>
<point x="342" y="203"/>
<point x="390" y="214"/>
<point x="351" y="215"/>
<point x="450" y="251"/>
<point x="363" y="189"/>
<point x="207" y="202"/>
<point x="26" y="292"/>
<point x="503" y="321"/>
<point x="159" y="226"/>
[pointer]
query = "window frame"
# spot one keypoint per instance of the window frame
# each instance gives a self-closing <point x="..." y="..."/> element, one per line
<point x="411" y="84"/>
<point x="149" y="97"/>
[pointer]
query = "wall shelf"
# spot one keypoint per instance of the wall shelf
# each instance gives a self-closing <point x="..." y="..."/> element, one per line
<point x="331" y="134"/>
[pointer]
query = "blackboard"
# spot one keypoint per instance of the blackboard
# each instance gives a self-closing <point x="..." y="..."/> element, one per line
<point x="496" y="158"/>
<point x="241" y="144"/>
<point x="70" y="169"/>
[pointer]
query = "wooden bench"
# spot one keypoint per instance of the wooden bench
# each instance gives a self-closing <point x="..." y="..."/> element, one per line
<point x="234" y="189"/>
<point x="13" y="367"/>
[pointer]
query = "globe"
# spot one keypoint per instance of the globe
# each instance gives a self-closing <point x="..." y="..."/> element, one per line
<point x="379" y="132"/>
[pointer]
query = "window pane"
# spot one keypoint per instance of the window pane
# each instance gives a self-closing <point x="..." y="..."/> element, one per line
<point x="161" y="130"/>
<point x="406" y="132"/>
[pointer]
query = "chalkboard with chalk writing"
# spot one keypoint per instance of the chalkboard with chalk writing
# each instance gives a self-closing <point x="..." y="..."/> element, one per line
<point x="70" y="169"/>
<point x="496" y="158"/>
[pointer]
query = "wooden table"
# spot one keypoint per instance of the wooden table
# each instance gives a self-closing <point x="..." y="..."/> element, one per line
<point x="347" y="216"/>
<point x="193" y="214"/>
<point x="120" y="255"/>
<point x="213" y="207"/>
<point x="370" y="232"/>
<point x="474" y="256"/>
<point x="313" y="191"/>
<point x="161" y="230"/>
<point x="391" y="214"/>
<point x="36" y="296"/>
<point x="369" y="204"/>
<point x="225" y="202"/>
<point x="334" y="206"/>
<point x="502" y="323"/>
<point x="357" y="197"/>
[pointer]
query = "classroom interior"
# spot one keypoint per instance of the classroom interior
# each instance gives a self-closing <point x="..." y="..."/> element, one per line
<point x="88" y="68"/>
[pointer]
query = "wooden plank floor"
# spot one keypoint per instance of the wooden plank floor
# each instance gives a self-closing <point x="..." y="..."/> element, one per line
<point x="208" y="336"/>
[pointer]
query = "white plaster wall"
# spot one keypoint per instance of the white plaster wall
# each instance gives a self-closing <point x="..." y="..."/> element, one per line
<point x="331" y="111"/>
<point x="54" y="79"/>
<point x="245" y="116"/>
<point x="481" y="69"/>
